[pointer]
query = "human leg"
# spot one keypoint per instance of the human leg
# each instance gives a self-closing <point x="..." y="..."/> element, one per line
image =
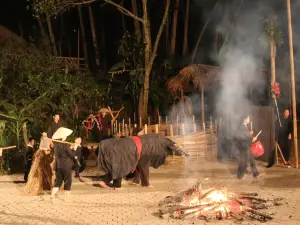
<point x="252" y="164"/>
<point x="243" y="164"/>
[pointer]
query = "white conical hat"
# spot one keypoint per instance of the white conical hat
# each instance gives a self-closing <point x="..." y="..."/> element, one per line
<point x="61" y="133"/>
<point x="45" y="144"/>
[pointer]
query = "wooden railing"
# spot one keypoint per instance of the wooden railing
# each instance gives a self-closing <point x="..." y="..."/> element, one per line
<point x="72" y="64"/>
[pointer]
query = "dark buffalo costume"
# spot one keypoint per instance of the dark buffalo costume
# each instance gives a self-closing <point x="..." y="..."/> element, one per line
<point x="118" y="157"/>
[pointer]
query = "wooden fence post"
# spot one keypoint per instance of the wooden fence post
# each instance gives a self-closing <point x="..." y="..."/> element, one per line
<point x="171" y="130"/>
<point x="156" y="128"/>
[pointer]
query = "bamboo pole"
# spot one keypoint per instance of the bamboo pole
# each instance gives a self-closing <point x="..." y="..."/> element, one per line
<point x="156" y="128"/>
<point x="171" y="130"/>
<point x="182" y="128"/>
<point x="295" y="134"/>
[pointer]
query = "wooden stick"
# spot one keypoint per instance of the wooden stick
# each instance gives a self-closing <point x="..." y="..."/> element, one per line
<point x="146" y="129"/>
<point x="8" y="147"/>
<point x="258" y="133"/>
<point x="281" y="153"/>
<point x="63" y="142"/>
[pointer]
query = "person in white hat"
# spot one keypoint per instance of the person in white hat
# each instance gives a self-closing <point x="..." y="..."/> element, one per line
<point x="64" y="157"/>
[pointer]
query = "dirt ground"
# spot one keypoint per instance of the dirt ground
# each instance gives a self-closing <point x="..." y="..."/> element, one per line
<point x="135" y="205"/>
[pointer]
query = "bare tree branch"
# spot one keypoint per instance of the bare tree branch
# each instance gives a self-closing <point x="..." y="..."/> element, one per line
<point x="155" y="46"/>
<point x="125" y="11"/>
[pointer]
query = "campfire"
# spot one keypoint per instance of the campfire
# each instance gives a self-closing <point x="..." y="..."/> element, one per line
<point x="215" y="204"/>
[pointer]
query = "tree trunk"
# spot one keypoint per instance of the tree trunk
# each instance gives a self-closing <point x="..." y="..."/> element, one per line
<point x="83" y="37"/>
<point x="202" y="103"/>
<point x="136" y="22"/>
<point x="103" y="43"/>
<point x="295" y="132"/>
<point x="167" y="33"/>
<point x="174" y="28"/>
<point x="150" y="56"/>
<point x="25" y="136"/>
<point x="202" y="32"/>
<point x="123" y="18"/>
<point x="186" y="28"/>
<point x="94" y="35"/>
<point x="52" y="38"/>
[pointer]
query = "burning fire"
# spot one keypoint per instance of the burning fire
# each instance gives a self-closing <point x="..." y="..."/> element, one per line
<point x="219" y="204"/>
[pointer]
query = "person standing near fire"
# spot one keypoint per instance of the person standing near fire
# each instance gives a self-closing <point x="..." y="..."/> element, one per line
<point x="285" y="135"/>
<point x="244" y="139"/>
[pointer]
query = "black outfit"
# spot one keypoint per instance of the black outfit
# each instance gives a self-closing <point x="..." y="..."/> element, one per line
<point x="283" y="133"/>
<point x="53" y="128"/>
<point x="243" y="141"/>
<point x="78" y="153"/>
<point x="29" y="158"/>
<point x="63" y="159"/>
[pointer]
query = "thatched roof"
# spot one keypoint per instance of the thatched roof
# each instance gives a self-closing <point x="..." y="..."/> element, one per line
<point x="199" y="74"/>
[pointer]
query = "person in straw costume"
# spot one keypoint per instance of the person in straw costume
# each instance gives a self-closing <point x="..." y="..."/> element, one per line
<point x="64" y="157"/>
<point x="40" y="175"/>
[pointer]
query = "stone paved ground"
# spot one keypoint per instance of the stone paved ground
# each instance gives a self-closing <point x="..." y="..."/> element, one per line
<point x="135" y="205"/>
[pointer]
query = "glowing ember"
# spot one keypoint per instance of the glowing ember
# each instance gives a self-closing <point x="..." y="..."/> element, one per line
<point x="219" y="204"/>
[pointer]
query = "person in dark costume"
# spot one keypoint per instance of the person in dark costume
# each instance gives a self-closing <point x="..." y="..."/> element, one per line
<point x="78" y="157"/>
<point x="283" y="136"/>
<point x="244" y="138"/>
<point x="120" y="156"/>
<point x="29" y="157"/>
<point x="56" y="123"/>
<point x="64" y="157"/>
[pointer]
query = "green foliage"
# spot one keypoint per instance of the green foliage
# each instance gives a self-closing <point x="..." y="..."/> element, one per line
<point x="272" y="30"/>
<point x="49" y="7"/>
<point x="33" y="85"/>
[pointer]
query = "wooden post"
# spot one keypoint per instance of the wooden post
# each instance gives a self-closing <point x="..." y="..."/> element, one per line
<point x="193" y="118"/>
<point x="149" y="123"/>
<point x="159" y="118"/>
<point x="112" y="126"/>
<point x="141" y="122"/>
<point x="156" y="128"/>
<point x="171" y="130"/>
<point x="177" y="123"/>
<point x="210" y="125"/>
<point x="123" y="125"/>
<point x="126" y="130"/>
<point x="203" y="126"/>
<point x="129" y="123"/>
<point x="116" y="130"/>
<point x="146" y="129"/>
<point x="182" y="128"/>
<point x="195" y="127"/>
<point x="295" y="134"/>
<point x="135" y="125"/>
<point x="119" y="127"/>
<point x="134" y="119"/>
<point x="276" y="153"/>
<point x="166" y="120"/>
